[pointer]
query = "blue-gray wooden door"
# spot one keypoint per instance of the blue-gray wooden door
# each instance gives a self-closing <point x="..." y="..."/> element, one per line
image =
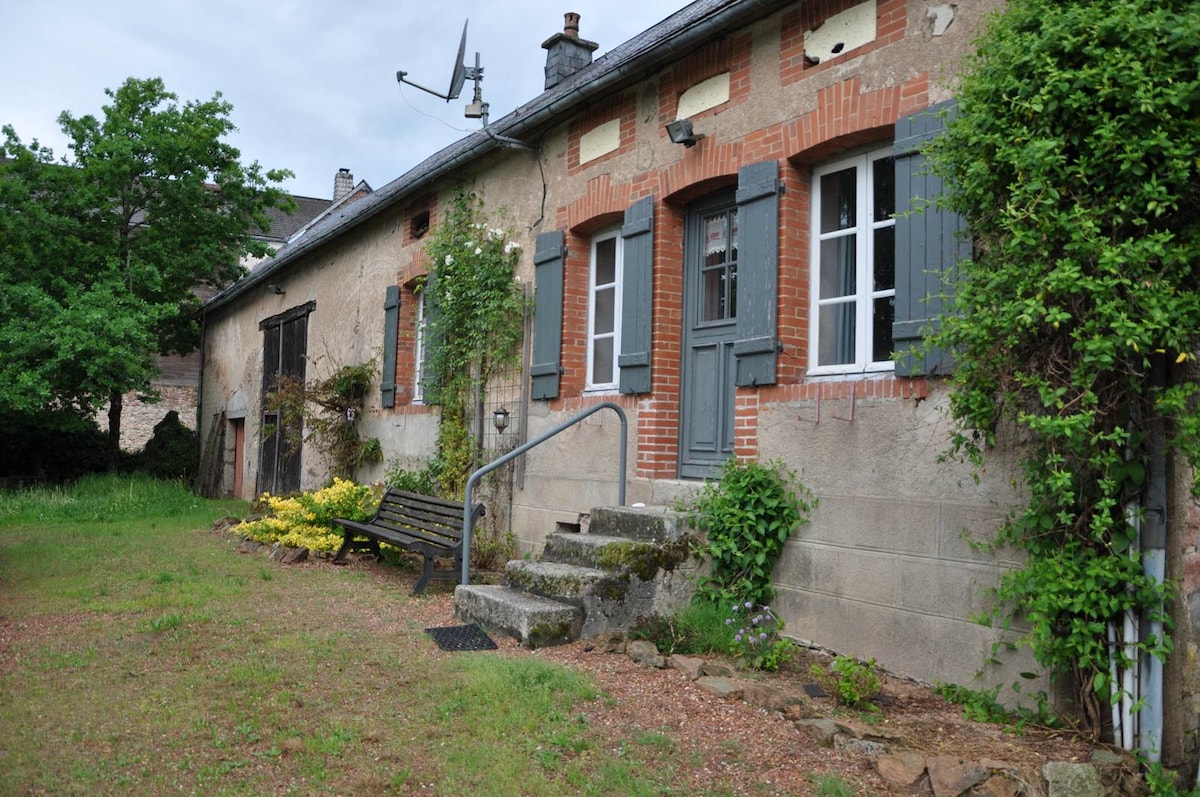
<point x="710" y="330"/>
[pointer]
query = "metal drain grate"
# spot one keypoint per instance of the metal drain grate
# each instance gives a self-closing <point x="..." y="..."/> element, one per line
<point x="461" y="637"/>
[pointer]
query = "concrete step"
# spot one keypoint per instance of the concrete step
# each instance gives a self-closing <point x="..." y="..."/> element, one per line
<point x="648" y="523"/>
<point x="565" y="582"/>
<point x="601" y="551"/>
<point x="532" y="620"/>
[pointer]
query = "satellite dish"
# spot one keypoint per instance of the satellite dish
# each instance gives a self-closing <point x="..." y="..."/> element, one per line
<point x="457" y="77"/>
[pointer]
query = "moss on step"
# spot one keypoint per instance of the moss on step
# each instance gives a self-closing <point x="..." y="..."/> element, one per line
<point x="644" y="559"/>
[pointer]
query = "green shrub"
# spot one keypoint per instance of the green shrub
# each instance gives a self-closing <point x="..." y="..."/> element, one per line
<point x="746" y="516"/>
<point x="854" y="683"/>
<point x="172" y="452"/>
<point x="305" y="521"/>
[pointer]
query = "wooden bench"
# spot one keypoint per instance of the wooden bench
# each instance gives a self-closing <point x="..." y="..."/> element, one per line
<point x="432" y="527"/>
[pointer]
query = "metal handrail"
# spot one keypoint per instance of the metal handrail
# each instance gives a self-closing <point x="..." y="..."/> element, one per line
<point x="469" y="516"/>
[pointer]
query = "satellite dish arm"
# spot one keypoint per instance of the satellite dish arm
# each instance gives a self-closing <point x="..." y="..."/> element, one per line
<point x="402" y="77"/>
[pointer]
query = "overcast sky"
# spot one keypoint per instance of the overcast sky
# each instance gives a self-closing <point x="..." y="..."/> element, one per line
<point x="312" y="84"/>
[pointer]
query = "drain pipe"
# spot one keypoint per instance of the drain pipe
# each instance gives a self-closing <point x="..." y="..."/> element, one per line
<point x="1154" y="566"/>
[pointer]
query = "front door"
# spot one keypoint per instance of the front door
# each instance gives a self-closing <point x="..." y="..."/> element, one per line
<point x="710" y="327"/>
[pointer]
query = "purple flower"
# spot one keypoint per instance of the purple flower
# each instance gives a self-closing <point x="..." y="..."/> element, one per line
<point x="749" y="605"/>
<point x="737" y="638"/>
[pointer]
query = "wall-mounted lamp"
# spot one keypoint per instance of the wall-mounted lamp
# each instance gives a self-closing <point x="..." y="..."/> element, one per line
<point x="275" y="289"/>
<point x="680" y="132"/>
<point x="500" y="419"/>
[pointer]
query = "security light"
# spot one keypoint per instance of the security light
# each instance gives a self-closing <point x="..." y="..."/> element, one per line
<point x="680" y="132"/>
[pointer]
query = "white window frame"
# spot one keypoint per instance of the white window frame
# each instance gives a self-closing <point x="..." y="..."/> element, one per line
<point x="865" y="294"/>
<point x="419" y="349"/>
<point x="613" y="233"/>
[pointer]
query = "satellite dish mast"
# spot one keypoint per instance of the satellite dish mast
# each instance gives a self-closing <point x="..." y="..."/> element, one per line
<point x="478" y="109"/>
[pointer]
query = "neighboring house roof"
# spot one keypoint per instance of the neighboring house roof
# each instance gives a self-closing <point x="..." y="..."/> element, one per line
<point x="284" y="225"/>
<point x="618" y="69"/>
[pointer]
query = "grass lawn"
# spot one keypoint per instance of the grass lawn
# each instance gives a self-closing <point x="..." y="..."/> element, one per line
<point x="140" y="654"/>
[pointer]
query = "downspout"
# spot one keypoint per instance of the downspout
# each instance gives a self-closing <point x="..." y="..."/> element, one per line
<point x="1154" y="566"/>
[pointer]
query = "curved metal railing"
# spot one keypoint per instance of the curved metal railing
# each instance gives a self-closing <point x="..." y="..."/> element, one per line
<point x="469" y="516"/>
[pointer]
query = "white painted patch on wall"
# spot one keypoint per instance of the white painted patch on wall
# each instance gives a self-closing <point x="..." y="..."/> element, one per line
<point x="600" y="140"/>
<point x="704" y="95"/>
<point x="842" y="32"/>
<point x="941" y="16"/>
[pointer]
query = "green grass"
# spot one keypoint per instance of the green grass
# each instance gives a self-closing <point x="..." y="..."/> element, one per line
<point x="144" y="655"/>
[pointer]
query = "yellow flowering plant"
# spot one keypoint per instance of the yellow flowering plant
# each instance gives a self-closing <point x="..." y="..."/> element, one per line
<point x="306" y="520"/>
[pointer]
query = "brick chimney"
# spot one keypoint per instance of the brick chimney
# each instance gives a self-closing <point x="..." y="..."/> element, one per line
<point x="566" y="53"/>
<point x="343" y="183"/>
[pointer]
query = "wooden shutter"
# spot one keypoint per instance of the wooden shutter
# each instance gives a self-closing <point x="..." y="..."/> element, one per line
<point x="637" y="296"/>
<point x="391" y="330"/>
<point x="548" y="258"/>
<point x="929" y="242"/>
<point x="756" y="345"/>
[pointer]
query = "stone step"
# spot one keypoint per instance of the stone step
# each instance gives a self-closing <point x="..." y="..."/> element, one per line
<point x="532" y="620"/>
<point x="601" y="551"/>
<point x="566" y="582"/>
<point x="648" y="523"/>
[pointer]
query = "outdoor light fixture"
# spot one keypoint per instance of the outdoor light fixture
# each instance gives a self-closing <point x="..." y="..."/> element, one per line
<point x="500" y="419"/>
<point x="275" y="289"/>
<point x="680" y="132"/>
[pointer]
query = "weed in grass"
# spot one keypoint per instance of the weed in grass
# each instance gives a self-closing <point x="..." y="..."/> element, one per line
<point x="831" y="786"/>
<point x="654" y="739"/>
<point x="166" y="622"/>
<point x="265" y="574"/>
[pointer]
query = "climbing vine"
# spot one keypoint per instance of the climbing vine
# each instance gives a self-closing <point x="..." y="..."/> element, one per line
<point x="325" y="412"/>
<point x="1075" y="158"/>
<point x="475" y="323"/>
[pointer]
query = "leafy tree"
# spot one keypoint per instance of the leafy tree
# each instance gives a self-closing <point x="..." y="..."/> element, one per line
<point x="1075" y="157"/>
<point x="100" y="255"/>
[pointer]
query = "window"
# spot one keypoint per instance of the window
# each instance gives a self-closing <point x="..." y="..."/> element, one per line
<point x="419" y="350"/>
<point x="604" y="310"/>
<point x="719" y="266"/>
<point x="853" y="264"/>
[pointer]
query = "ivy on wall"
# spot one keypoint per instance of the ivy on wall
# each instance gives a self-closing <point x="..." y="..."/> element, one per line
<point x="1075" y="158"/>
<point x="475" y="309"/>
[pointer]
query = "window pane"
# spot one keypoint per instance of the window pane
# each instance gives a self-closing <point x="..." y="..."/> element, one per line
<point x="731" y="302"/>
<point x="884" y="188"/>
<point x="602" y="361"/>
<point x="838" y="267"/>
<point x="712" y="290"/>
<point x="881" y="337"/>
<point x="838" y="201"/>
<point x="836" y="334"/>
<point x="885" y="258"/>
<point x="714" y="240"/>
<point x="603" y="322"/>
<point x="733" y="235"/>
<point x="606" y="261"/>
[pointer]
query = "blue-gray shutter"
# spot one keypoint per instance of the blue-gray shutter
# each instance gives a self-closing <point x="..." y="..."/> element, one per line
<point x="756" y="345"/>
<point x="637" y="296"/>
<point x="391" y="329"/>
<point x="548" y="256"/>
<point x="929" y="242"/>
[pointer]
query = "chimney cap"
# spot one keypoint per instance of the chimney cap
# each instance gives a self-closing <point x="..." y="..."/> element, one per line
<point x="570" y="32"/>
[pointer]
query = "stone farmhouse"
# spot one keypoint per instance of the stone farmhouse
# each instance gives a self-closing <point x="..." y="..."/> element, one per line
<point x="714" y="219"/>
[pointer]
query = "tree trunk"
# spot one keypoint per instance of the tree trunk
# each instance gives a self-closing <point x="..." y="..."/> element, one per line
<point x="115" y="405"/>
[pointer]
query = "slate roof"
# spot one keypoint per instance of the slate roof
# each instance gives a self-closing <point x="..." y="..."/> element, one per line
<point x="623" y="66"/>
<point x="284" y="226"/>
